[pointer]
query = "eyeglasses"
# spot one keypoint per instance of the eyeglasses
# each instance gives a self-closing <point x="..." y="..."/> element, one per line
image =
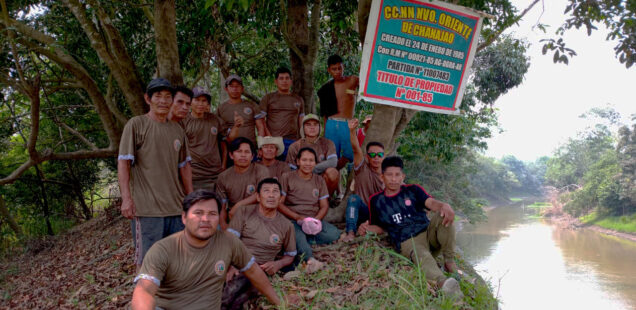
<point x="378" y="154"/>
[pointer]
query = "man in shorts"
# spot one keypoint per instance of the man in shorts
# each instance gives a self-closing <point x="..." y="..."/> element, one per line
<point x="267" y="234"/>
<point x="154" y="162"/>
<point x="240" y="115"/>
<point x="187" y="269"/>
<point x="269" y="148"/>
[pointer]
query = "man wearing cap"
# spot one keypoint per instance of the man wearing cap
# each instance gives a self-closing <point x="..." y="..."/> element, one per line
<point x="267" y="234"/>
<point x="180" y="103"/>
<point x="235" y="112"/>
<point x="305" y="203"/>
<point x="324" y="148"/>
<point x="237" y="184"/>
<point x="154" y="162"/>
<point x="269" y="148"/>
<point x="204" y="140"/>
<point x="285" y="110"/>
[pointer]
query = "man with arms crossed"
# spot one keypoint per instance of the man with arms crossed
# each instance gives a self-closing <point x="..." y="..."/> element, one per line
<point x="153" y="161"/>
<point x="187" y="269"/>
<point x="266" y="233"/>
<point x="400" y="210"/>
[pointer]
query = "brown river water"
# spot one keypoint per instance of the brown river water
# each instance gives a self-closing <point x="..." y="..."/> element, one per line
<point x="534" y="265"/>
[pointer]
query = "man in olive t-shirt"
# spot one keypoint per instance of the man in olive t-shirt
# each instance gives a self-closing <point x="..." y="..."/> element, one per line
<point x="269" y="148"/>
<point x="187" y="269"/>
<point x="235" y="112"/>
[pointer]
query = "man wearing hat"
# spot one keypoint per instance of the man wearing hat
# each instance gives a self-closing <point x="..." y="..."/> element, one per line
<point x="284" y="109"/>
<point x="268" y="149"/>
<point x="325" y="149"/>
<point x="204" y="140"/>
<point x="154" y="161"/>
<point x="244" y="115"/>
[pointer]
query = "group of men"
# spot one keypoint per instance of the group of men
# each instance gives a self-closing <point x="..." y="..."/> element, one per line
<point x="218" y="201"/>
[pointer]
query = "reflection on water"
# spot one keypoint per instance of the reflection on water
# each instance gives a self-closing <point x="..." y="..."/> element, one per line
<point x="533" y="265"/>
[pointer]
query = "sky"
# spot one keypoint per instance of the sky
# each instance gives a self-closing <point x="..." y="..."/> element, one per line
<point x="543" y="112"/>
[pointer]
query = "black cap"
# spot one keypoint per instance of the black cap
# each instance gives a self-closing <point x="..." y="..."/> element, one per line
<point x="159" y="84"/>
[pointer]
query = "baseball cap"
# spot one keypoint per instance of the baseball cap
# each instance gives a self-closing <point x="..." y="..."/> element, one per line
<point x="233" y="77"/>
<point x="311" y="226"/>
<point x="200" y="91"/>
<point x="158" y="84"/>
<point x="308" y="117"/>
<point x="278" y="141"/>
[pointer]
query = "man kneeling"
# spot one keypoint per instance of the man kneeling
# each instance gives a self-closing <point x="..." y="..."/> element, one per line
<point x="266" y="233"/>
<point x="400" y="210"/>
<point x="187" y="269"/>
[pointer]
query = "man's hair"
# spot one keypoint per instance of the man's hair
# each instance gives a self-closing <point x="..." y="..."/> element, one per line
<point x="374" y="143"/>
<point x="281" y="70"/>
<point x="307" y="149"/>
<point x="184" y="90"/>
<point x="267" y="181"/>
<point x="200" y="195"/>
<point x="392" y="161"/>
<point x="236" y="144"/>
<point x="333" y="59"/>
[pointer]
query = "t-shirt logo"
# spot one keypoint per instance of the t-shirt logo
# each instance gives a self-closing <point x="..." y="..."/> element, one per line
<point x="219" y="267"/>
<point x="274" y="239"/>
<point x="177" y="145"/>
<point x="247" y="111"/>
<point x="213" y="130"/>
<point x="315" y="192"/>
<point x="297" y="104"/>
<point x="407" y="202"/>
<point x="250" y="189"/>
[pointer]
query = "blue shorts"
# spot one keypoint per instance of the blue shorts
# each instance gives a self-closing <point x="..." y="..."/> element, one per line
<point x="337" y="130"/>
<point x="287" y="143"/>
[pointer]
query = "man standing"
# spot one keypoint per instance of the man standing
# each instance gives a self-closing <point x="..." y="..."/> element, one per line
<point x="154" y="159"/>
<point x="237" y="184"/>
<point x="285" y="110"/>
<point x="401" y="211"/>
<point x="180" y="104"/>
<point x="267" y="234"/>
<point x="204" y="140"/>
<point x="187" y="270"/>
<point x="235" y="112"/>
<point x="326" y="160"/>
<point x="337" y="104"/>
<point x="269" y="148"/>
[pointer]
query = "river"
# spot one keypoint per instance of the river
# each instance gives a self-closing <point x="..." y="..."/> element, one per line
<point x="534" y="265"/>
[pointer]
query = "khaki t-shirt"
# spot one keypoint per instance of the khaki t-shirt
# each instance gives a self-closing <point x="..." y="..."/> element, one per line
<point x="203" y="142"/>
<point x="234" y="187"/>
<point x="277" y="169"/>
<point x="282" y="114"/>
<point x="324" y="148"/>
<point x="250" y="113"/>
<point x="156" y="151"/>
<point x="303" y="196"/>
<point x="189" y="277"/>
<point x="367" y="182"/>
<point x="264" y="237"/>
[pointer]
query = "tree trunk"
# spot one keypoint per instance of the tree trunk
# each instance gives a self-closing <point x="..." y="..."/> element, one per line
<point x="4" y="211"/>
<point x="44" y="201"/>
<point x="168" y="65"/>
<point x="77" y="189"/>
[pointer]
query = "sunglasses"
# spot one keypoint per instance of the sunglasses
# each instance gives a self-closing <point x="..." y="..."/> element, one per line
<point x="378" y="154"/>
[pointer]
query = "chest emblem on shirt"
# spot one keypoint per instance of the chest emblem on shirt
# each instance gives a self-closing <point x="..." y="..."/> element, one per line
<point x="407" y="202"/>
<point x="297" y="104"/>
<point x="250" y="189"/>
<point x="219" y="267"/>
<point x="247" y="111"/>
<point x="315" y="192"/>
<point x="274" y="239"/>
<point x="177" y="145"/>
<point x="213" y="130"/>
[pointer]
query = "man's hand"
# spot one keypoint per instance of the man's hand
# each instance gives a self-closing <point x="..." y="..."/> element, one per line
<point x="128" y="208"/>
<point x="448" y="214"/>
<point x="231" y="273"/>
<point x="238" y="120"/>
<point x="270" y="267"/>
<point x="353" y="124"/>
<point x="362" y="230"/>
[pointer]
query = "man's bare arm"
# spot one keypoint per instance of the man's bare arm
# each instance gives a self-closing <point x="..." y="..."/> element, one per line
<point x="324" y="207"/>
<point x="273" y="267"/>
<point x="260" y="127"/>
<point x="223" y="217"/>
<point x="144" y="295"/>
<point x="358" y="156"/>
<point x="123" y="176"/>
<point x="443" y="208"/>
<point x="260" y="282"/>
<point x="186" y="177"/>
<point x="251" y="199"/>
<point x="286" y="211"/>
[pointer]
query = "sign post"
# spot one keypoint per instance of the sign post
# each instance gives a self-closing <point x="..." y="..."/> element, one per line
<point x="417" y="54"/>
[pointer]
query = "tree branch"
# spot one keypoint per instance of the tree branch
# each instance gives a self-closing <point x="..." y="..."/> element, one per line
<point x="284" y="30"/>
<point x="77" y="134"/>
<point x="314" y="29"/>
<point x="495" y="35"/>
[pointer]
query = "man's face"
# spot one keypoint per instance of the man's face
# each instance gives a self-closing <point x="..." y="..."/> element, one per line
<point x="234" y="89"/>
<point x="393" y="178"/>
<point x="375" y="162"/>
<point x="311" y="128"/>
<point x="336" y="71"/>
<point x="306" y="162"/>
<point x="200" y="105"/>
<point x="160" y="102"/>
<point x="269" y="196"/>
<point x="202" y="219"/>
<point x="242" y="157"/>
<point x="268" y="151"/>
<point x="180" y="105"/>
<point x="283" y="82"/>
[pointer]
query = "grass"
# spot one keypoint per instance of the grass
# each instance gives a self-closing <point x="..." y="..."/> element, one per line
<point x="516" y="199"/>
<point x="539" y="205"/>
<point x="625" y="223"/>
